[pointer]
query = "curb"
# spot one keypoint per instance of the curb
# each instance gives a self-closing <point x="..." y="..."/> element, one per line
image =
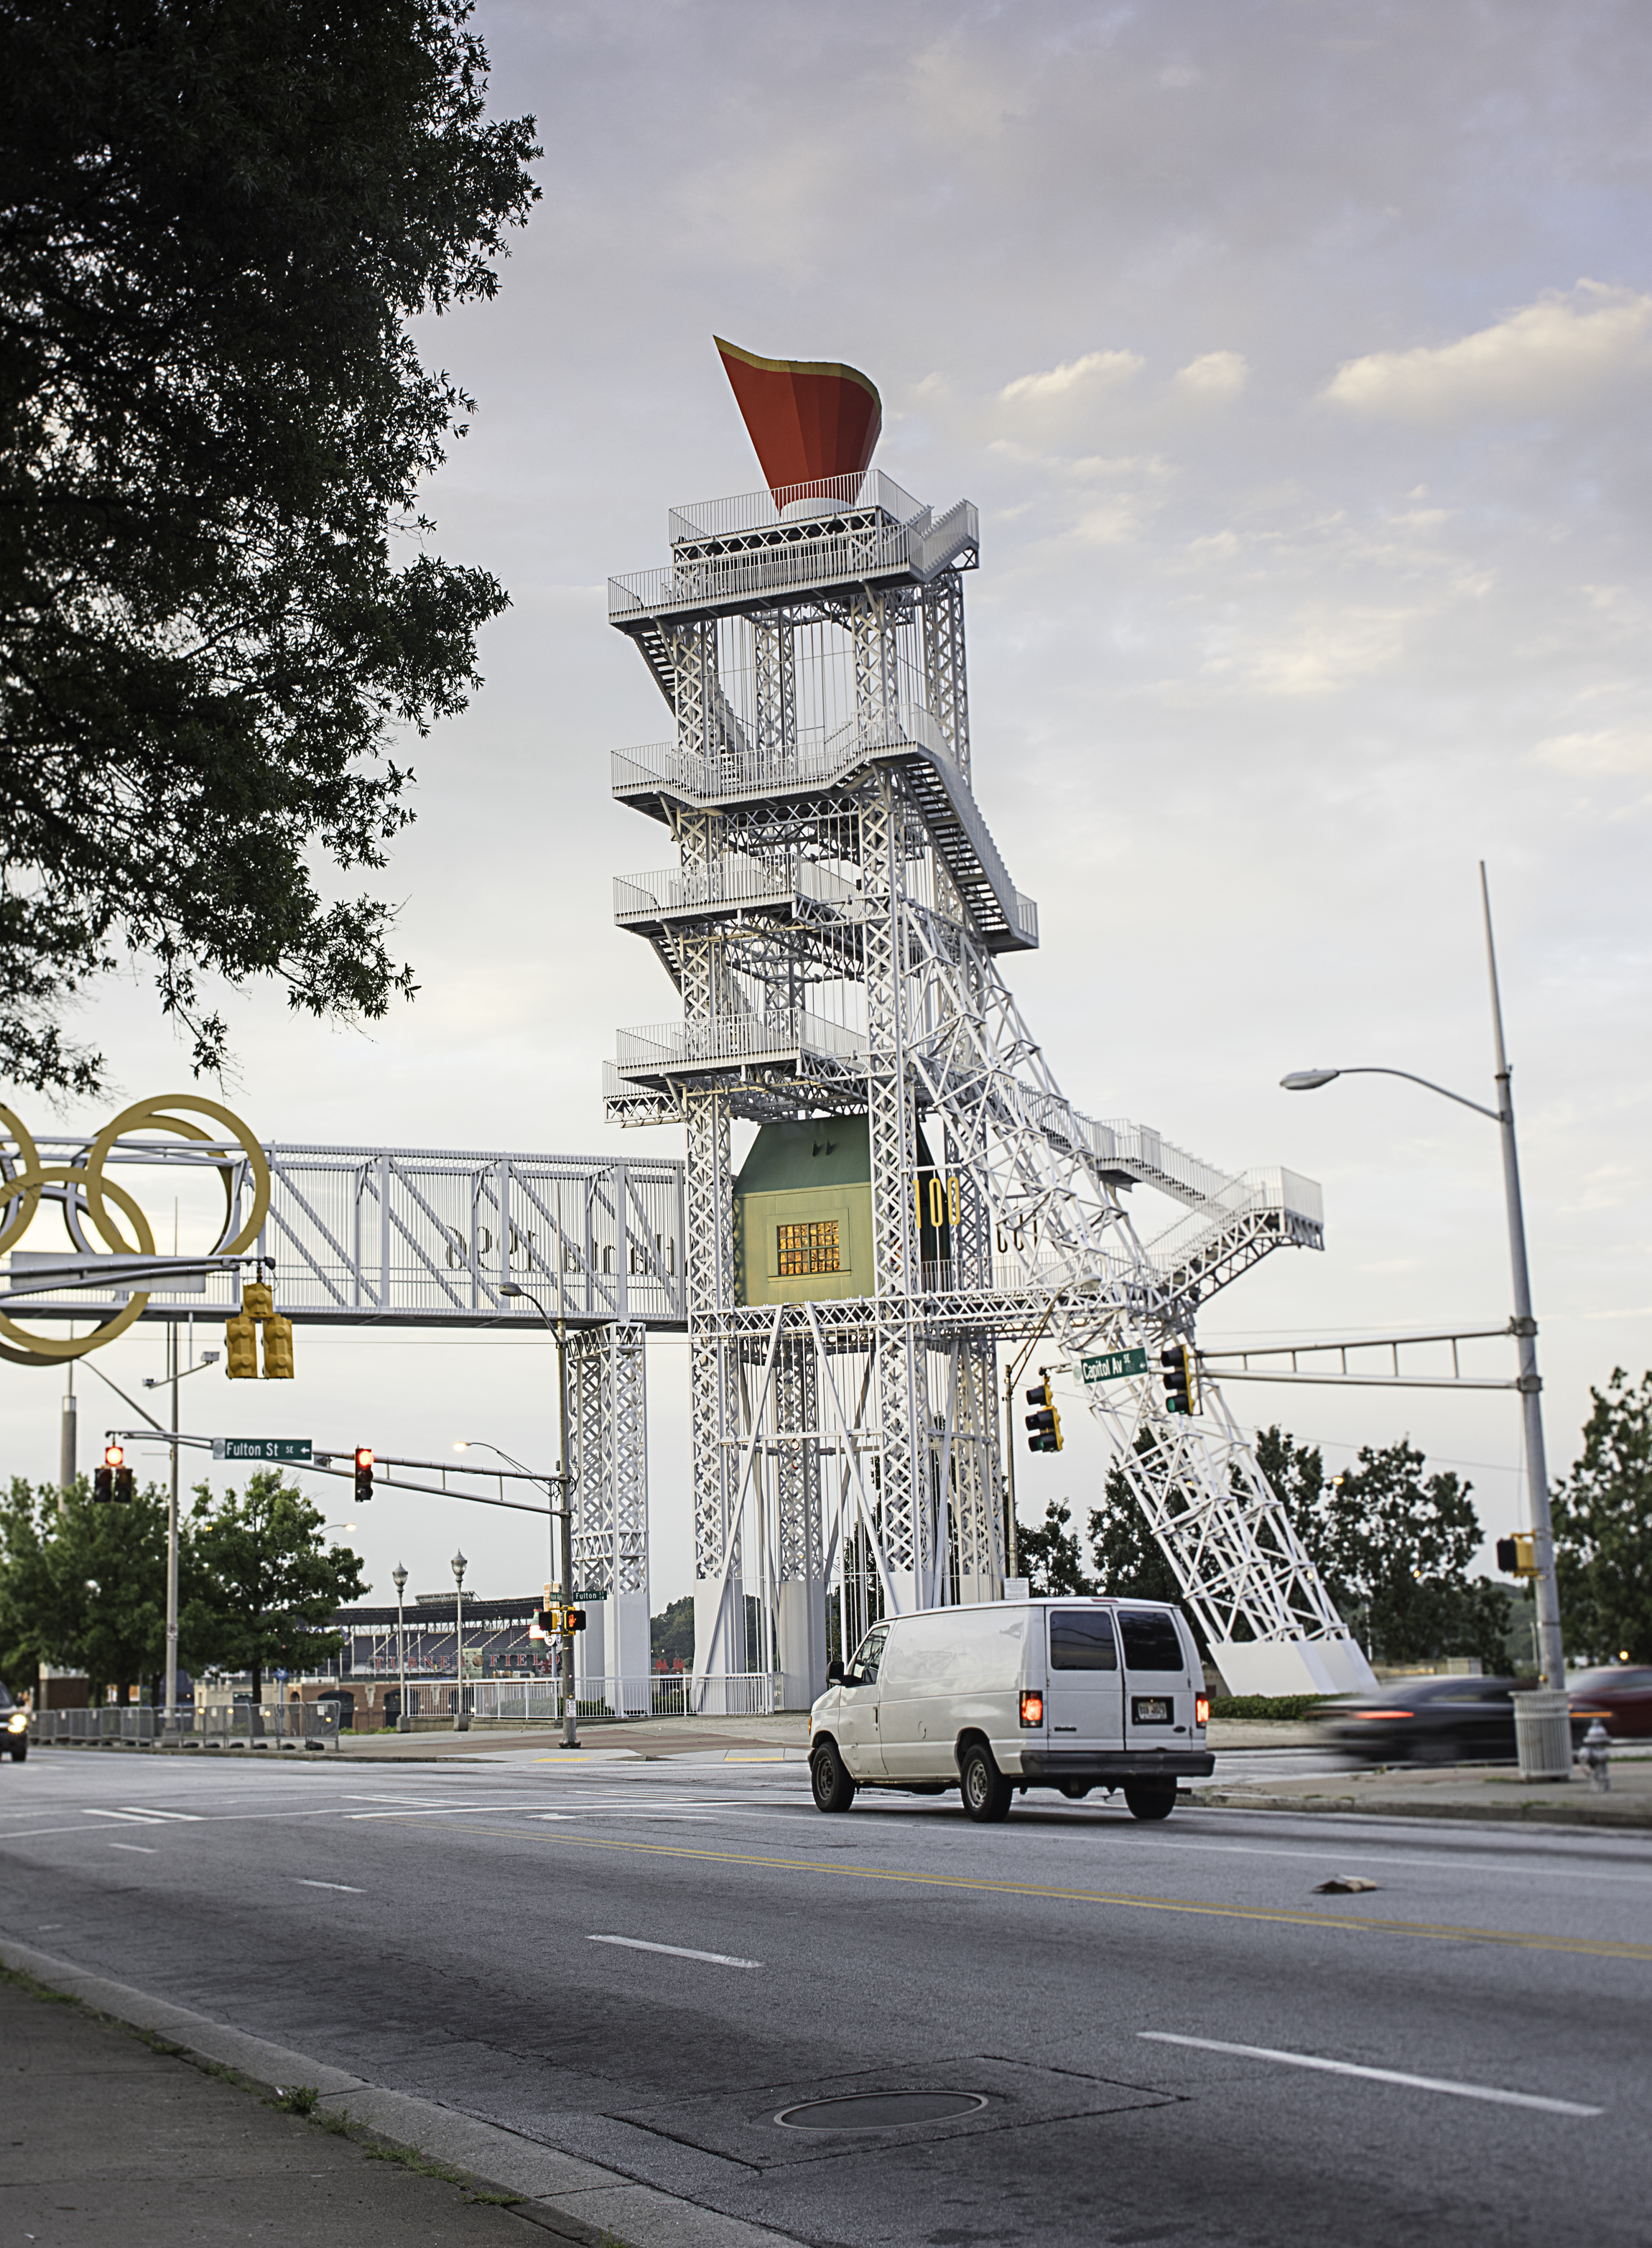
<point x="1631" y="1819"/>
<point x="574" y="2200"/>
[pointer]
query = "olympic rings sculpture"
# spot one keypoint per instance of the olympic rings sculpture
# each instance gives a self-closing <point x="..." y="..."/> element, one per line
<point x="85" y="1193"/>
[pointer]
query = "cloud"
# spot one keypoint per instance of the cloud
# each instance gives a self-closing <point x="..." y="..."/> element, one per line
<point x="1218" y="374"/>
<point x="1111" y="367"/>
<point x="1616" y="749"/>
<point x="1546" y="358"/>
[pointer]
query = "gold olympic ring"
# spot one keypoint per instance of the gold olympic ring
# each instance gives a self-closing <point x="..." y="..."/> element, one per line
<point x="25" y="1179"/>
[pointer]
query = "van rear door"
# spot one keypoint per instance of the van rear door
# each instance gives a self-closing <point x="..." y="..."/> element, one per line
<point x="1158" y="1686"/>
<point x="1083" y="1707"/>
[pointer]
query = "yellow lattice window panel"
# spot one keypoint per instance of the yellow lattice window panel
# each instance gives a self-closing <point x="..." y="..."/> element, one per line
<point x="810" y="1248"/>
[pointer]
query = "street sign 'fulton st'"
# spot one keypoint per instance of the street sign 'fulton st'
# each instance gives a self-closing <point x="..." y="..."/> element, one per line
<point x="261" y="1447"/>
<point x="1113" y="1365"/>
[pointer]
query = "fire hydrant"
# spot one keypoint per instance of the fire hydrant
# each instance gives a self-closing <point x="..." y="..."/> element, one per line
<point x="1596" y="1752"/>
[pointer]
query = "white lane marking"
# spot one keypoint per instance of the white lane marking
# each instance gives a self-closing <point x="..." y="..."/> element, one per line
<point x="131" y="1818"/>
<point x="142" y="1848"/>
<point x="344" y="1885"/>
<point x="677" y="1951"/>
<point x="1458" y="2091"/>
<point x="144" y="1811"/>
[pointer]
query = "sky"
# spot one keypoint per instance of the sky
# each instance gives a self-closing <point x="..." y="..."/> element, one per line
<point x="1296" y="355"/>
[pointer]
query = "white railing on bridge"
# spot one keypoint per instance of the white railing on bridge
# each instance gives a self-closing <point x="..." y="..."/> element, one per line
<point x="873" y="547"/>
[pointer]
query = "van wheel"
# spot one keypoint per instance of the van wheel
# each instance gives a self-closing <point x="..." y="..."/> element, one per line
<point x="1152" y="1799"/>
<point x="986" y="1791"/>
<point x="829" y="1779"/>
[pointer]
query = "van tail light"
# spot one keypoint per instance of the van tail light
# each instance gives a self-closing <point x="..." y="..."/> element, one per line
<point x="1201" y="1709"/>
<point x="1032" y="1708"/>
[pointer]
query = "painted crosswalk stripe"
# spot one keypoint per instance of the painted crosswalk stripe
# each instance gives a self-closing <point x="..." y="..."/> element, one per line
<point x="1450" y="2084"/>
<point x="677" y="1951"/>
<point x="144" y="1811"/>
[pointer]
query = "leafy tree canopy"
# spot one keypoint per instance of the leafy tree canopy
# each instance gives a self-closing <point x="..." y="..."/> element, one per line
<point x="275" y="1585"/>
<point x="1395" y="1548"/>
<point x="1602" y="1514"/>
<point x="216" y="223"/>
<point x="1049" y="1556"/>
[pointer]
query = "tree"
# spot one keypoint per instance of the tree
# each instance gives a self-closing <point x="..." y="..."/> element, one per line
<point x="272" y="1585"/>
<point x="1051" y="1559"/>
<point x="85" y="1585"/>
<point x="212" y="428"/>
<point x="1602" y="1514"/>
<point x="1394" y="1551"/>
<point x="1129" y="1561"/>
<point x="1296" y="1473"/>
<point x="671" y="1635"/>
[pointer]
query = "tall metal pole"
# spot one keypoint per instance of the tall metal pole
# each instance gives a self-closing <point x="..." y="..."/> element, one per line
<point x="169" y="1721"/>
<point x="67" y="1447"/>
<point x="404" y="1722"/>
<point x="570" y="1702"/>
<point x="459" y="1724"/>
<point x="1551" y="1648"/>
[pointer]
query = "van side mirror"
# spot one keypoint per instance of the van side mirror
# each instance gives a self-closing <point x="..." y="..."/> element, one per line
<point x="835" y="1672"/>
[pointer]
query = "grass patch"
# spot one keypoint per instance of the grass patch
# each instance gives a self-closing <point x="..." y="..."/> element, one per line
<point x="300" y="2100"/>
<point x="1283" y="1708"/>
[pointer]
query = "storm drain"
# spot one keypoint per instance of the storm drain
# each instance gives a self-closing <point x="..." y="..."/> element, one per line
<point x="879" y="2111"/>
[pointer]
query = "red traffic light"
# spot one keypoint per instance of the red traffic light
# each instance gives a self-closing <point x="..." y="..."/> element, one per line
<point x="364" y="1455"/>
<point x="114" y="1455"/>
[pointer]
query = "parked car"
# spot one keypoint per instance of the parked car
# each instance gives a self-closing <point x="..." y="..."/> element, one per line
<point x="1620" y="1695"/>
<point x="1430" y="1721"/>
<point x="1071" y="1694"/>
<point x="14" y="1727"/>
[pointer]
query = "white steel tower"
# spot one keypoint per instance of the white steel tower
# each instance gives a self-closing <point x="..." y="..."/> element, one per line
<point x="834" y="919"/>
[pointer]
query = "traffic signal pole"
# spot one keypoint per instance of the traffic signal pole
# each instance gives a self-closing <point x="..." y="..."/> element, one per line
<point x="169" y="1723"/>
<point x="570" y="1701"/>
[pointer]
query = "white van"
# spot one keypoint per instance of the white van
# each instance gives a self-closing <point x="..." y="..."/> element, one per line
<point x="1070" y="1693"/>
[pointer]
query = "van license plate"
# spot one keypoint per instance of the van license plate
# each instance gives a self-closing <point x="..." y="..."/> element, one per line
<point x="1150" y="1709"/>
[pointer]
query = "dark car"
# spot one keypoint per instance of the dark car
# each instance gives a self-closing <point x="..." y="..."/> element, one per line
<point x="1620" y="1695"/>
<point x="14" y="1727"/>
<point x="1430" y="1721"/>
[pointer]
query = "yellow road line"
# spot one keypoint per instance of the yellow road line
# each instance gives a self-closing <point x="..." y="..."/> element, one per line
<point x="1520" y="1939"/>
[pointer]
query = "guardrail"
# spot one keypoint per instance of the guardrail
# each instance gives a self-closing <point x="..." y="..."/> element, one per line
<point x="729" y="881"/>
<point x="279" y="1724"/>
<point x="534" y="1701"/>
<point x="734" y="1038"/>
<point x="771" y="510"/>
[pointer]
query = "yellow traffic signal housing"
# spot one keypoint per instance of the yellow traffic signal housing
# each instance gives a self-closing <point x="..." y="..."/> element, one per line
<point x="1518" y="1556"/>
<point x="278" y="1349"/>
<point x="241" y="1347"/>
<point x="257" y="1300"/>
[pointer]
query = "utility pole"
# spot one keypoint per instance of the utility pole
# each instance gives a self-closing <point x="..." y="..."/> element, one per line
<point x="570" y="1699"/>
<point x="169" y="1721"/>
<point x="67" y="1447"/>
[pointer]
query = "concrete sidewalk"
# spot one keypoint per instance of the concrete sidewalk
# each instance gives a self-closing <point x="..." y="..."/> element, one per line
<point x="129" y="2119"/>
<point x="109" y="2139"/>
<point x="1452" y="1791"/>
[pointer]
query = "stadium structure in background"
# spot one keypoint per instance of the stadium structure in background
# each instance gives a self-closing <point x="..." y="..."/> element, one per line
<point x="836" y="919"/>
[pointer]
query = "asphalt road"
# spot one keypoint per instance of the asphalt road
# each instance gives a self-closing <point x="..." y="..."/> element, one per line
<point x="645" y="1963"/>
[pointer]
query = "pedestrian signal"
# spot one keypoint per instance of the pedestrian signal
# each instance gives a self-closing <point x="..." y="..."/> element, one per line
<point x="1044" y="1427"/>
<point x="1518" y="1556"/>
<point x="364" y="1474"/>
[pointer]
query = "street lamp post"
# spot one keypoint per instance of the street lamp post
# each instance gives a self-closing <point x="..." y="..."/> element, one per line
<point x="569" y="1708"/>
<point x="404" y="1722"/>
<point x="1551" y="1649"/>
<point x="460" y="1722"/>
<point x="172" y="1377"/>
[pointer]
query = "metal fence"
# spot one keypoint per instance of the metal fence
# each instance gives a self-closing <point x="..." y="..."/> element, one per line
<point x="535" y="1702"/>
<point x="286" y="1724"/>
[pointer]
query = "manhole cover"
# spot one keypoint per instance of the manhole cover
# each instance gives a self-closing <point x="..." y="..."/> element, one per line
<point x="879" y="2111"/>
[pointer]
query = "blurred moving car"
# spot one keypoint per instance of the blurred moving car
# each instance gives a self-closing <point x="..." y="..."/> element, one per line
<point x="1431" y="1721"/>
<point x="1620" y="1695"/>
<point x="14" y="1728"/>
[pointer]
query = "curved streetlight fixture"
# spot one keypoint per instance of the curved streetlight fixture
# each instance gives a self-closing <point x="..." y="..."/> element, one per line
<point x="1551" y="1649"/>
<point x="570" y="1707"/>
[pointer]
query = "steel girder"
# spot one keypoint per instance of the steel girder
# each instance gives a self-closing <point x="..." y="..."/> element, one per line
<point x="607" y="1399"/>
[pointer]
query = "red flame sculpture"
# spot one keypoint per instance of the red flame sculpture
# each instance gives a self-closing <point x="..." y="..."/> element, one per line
<point x="809" y="419"/>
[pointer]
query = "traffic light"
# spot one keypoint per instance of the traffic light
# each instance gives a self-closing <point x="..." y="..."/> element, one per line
<point x="257" y="1300"/>
<point x="1518" y="1556"/>
<point x="103" y="1479"/>
<point x="278" y="1349"/>
<point x="241" y="1347"/>
<point x="126" y="1486"/>
<point x="1178" y="1379"/>
<point x="364" y="1474"/>
<point x="1043" y="1426"/>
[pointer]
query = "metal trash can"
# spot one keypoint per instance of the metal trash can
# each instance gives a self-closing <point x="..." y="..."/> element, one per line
<point x="1543" y="1733"/>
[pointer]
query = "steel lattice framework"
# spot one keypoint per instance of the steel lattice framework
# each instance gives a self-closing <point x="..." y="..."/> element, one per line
<point x="834" y="924"/>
